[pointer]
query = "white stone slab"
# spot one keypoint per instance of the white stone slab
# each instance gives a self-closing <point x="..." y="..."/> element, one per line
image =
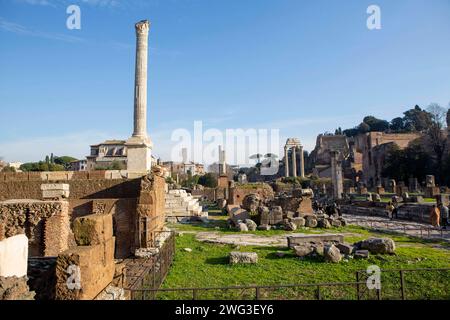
<point x="14" y="256"/>
<point x="55" y="186"/>
<point x="50" y="194"/>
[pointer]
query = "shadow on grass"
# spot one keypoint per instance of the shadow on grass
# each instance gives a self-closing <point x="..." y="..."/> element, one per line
<point x="269" y="248"/>
<point x="218" y="261"/>
<point x="275" y="256"/>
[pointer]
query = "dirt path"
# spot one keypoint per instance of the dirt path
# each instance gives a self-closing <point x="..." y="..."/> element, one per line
<point x="410" y="228"/>
<point x="249" y="239"/>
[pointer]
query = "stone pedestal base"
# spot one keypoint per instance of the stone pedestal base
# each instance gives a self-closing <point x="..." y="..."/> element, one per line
<point x="400" y="190"/>
<point x="222" y="182"/>
<point x="139" y="155"/>
<point x="380" y="190"/>
<point x="431" y="192"/>
<point x="362" y="191"/>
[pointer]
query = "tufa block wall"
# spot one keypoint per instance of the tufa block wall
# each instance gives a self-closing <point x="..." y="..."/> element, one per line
<point x="94" y="256"/>
<point x="91" y="185"/>
<point x="45" y="223"/>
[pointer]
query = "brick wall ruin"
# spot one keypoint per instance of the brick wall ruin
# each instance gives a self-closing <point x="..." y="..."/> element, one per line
<point x="83" y="185"/>
<point x="238" y="192"/>
<point x="125" y="214"/>
<point x="45" y="223"/>
<point x="369" y="144"/>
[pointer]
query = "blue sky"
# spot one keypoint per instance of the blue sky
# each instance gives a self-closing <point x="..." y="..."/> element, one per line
<point x="304" y="67"/>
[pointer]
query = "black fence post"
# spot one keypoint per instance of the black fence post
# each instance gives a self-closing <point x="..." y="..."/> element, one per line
<point x="319" y="295"/>
<point x="357" y="286"/>
<point x="257" y="293"/>
<point x="402" y="284"/>
<point x="194" y="294"/>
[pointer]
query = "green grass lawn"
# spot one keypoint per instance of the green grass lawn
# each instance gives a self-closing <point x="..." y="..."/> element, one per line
<point x="207" y="266"/>
<point x="219" y="224"/>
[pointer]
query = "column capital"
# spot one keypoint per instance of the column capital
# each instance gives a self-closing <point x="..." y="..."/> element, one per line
<point x="142" y="27"/>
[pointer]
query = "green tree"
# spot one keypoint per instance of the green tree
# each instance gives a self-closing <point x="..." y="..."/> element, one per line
<point x="8" y="169"/>
<point x="376" y="124"/>
<point x="448" y="116"/>
<point x="190" y="180"/>
<point x="412" y="161"/>
<point x="115" y="165"/>
<point x="64" y="160"/>
<point x="41" y="166"/>
<point x="397" y="124"/>
<point x="208" y="180"/>
<point x="437" y="138"/>
<point x="363" y="128"/>
<point x="417" y="119"/>
<point x="351" y="132"/>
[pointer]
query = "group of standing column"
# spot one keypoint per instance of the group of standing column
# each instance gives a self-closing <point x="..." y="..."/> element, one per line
<point x="294" y="145"/>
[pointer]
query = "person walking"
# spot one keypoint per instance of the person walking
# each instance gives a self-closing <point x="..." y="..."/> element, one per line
<point x="444" y="215"/>
<point x="390" y="209"/>
<point x="435" y="216"/>
<point x="395" y="211"/>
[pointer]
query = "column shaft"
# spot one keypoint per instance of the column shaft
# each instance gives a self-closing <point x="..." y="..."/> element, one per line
<point x="302" y="163"/>
<point x="140" y="87"/>
<point x="294" y="162"/>
<point x="286" y="162"/>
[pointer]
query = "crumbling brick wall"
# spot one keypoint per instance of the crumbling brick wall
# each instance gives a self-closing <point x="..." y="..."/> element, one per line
<point x="45" y="223"/>
<point x="238" y="192"/>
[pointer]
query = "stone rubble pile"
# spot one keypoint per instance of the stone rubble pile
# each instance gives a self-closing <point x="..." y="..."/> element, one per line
<point x="282" y="213"/>
<point x="334" y="251"/>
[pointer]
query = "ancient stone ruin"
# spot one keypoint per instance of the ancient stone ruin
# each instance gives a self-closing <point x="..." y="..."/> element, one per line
<point x="332" y="248"/>
<point x="75" y="224"/>
<point x="284" y="211"/>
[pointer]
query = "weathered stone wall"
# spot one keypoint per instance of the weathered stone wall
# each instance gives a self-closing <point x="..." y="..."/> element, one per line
<point x="411" y="212"/>
<point x="238" y="193"/>
<point x="83" y="185"/>
<point x="14" y="288"/>
<point x="45" y="223"/>
<point x="124" y="220"/>
<point x="94" y="258"/>
<point x="150" y="209"/>
<point x="369" y="145"/>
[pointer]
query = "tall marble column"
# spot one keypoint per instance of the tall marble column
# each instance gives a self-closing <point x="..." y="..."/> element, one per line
<point x="286" y="162"/>
<point x="140" y="80"/>
<point x="302" y="163"/>
<point x="336" y="175"/>
<point x="294" y="161"/>
<point x="139" y="145"/>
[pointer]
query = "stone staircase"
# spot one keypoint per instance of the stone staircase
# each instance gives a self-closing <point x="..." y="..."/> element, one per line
<point x="181" y="205"/>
